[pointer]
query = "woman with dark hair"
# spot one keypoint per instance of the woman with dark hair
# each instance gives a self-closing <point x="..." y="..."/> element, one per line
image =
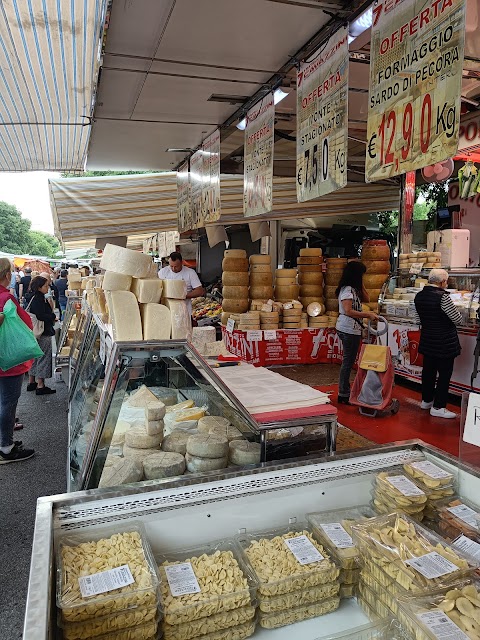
<point x="39" y="306"/>
<point x="351" y="293"/>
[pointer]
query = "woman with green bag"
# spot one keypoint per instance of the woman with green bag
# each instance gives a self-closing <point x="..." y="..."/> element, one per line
<point x="11" y="379"/>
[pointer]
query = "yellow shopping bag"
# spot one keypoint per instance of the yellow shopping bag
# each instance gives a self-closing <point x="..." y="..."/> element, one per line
<point x="374" y="358"/>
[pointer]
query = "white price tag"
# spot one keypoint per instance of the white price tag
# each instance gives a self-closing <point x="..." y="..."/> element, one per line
<point x="405" y="486"/>
<point x="471" y="431"/>
<point x="338" y="535"/>
<point x="254" y="336"/>
<point x="464" y="513"/>
<point x="230" y="325"/>
<point x="416" y="268"/>
<point x="105" y="581"/>
<point x="390" y="309"/>
<point x="102" y="350"/>
<point x="270" y="334"/>
<point x="432" y="565"/>
<point x="182" y="579"/>
<point x="304" y="551"/>
<point x="402" y="311"/>
<point x="431" y="470"/>
<point x="470" y="547"/>
<point x="441" y="626"/>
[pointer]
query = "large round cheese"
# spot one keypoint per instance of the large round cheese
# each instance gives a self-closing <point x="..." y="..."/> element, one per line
<point x="289" y="292"/>
<point x="285" y="282"/>
<point x="285" y="273"/>
<point x="332" y="278"/>
<point x="235" y="293"/>
<point x="235" y="264"/>
<point x="310" y="277"/>
<point x="163" y="465"/>
<point x="309" y="260"/>
<point x="235" y="278"/>
<point x="207" y="446"/>
<point x="260" y="279"/>
<point x="306" y="251"/>
<point x="315" y="309"/>
<point x="196" y="464"/>
<point x="261" y="293"/>
<point x="138" y="438"/>
<point x="378" y="266"/>
<point x="243" y="452"/>
<point x="116" y="281"/>
<point x="176" y="442"/>
<point x="311" y="290"/>
<point x="126" y="261"/>
<point x="260" y="259"/>
<point x="235" y="306"/>
<point x="234" y="253"/>
<point x="330" y="290"/>
<point x="293" y="313"/>
<point x="381" y="252"/>
<point x="226" y="431"/>
<point x="331" y="304"/>
<point x="209" y="422"/>
<point x="121" y="471"/>
<point x="310" y="268"/>
<point x="374" y="281"/>
<point x="260" y="268"/>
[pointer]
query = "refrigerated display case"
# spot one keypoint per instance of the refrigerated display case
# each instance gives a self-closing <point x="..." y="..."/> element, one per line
<point x="179" y="516"/>
<point x="69" y="320"/>
<point x="397" y="307"/>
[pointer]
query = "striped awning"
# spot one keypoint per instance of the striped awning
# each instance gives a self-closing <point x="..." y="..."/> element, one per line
<point x="49" y="60"/>
<point x="138" y="206"/>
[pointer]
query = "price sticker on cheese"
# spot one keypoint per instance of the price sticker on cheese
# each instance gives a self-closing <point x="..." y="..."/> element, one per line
<point x="338" y="535"/>
<point x="431" y="470"/>
<point x="464" y="513"/>
<point x="270" y="334"/>
<point x="230" y="325"/>
<point x="468" y="546"/>
<point x="441" y="626"/>
<point x="390" y="309"/>
<point x="432" y="565"/>
<point x="416" y="268"/>
<point x="254" y="336"/>
<point x="405" y="486"/>
<point x="105" y="581"/>
<point x="182" y="579"/>
<point x="304" y="551"/>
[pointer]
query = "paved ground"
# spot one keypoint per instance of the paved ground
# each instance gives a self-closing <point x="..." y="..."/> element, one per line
<point x="45" y="420"/>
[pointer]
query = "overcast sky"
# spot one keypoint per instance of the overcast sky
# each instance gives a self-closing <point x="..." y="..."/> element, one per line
<point x="29" y="193"/>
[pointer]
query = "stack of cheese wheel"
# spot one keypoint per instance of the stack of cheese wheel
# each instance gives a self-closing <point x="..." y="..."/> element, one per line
<point x="286" y="287"/>
<point x="317" y="319"/>
<point x="429" y="259"/>
<point x="206" y="452"/>
<point x="269" y="319"/>
<point x="332" y="318"/>
<point x="261" y="278"/>
<point x="335" y="267"/>
<point x="304" y="320"/>
<point x="235" y="282"/>
<point x="292" y="315"/>
<point x="249" y="321"/>
<point x="310" y="276"/>
<point x="376" y="257"/>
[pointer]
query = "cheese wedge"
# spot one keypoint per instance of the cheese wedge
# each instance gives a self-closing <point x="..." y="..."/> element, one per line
<point x="142" y="397"/>
<point x="147" y="290"/>
<point x="174" y="289"/>
<point x="181" y="319"/>
<point x="126" y="261"/>
<point x="156" y="321"/>
<point x="124" y="316"/>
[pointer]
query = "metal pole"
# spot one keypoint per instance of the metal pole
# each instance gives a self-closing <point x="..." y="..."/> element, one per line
<point x="405" y="220"/>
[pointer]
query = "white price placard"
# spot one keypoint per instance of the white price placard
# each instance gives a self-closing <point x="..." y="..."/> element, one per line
<point x="405" y="486"/>
<point x="254" y="336"/>
<point x="432" y="565"/>
<point x="471" y="431"/>
<point x="258" y="158"/>
<point x="441" y="626"/>
<point x="431" y="470"/>
<point x="304" y="551"/>
<point x="338" y="535"/>
<point x="464" y="513"/>
<point x="182" y="579"/>
<point x="105" y="581"/>
<point x="468" y="546"/>
<point x="390" y="309"/>
<point x="270" y="334"/>
<point x="230" y="325"/>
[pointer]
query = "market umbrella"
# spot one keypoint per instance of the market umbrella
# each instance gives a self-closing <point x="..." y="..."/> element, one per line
<point x="38" y="265"/>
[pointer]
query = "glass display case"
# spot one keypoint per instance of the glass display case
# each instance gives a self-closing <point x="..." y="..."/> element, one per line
<point x="69" y="325"/>
<point x="102" y="409"/>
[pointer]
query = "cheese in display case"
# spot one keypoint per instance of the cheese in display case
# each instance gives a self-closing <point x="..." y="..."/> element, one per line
<point x="129" y="619"/>
<point x="458" y="517"/>
<point x="393" y="490"/>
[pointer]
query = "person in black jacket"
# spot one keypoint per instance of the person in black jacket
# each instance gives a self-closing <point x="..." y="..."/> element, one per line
<point x="439" y="343"/>
<point x="39" y="306"/>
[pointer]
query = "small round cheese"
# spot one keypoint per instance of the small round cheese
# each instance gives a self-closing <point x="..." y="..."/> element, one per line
<point x="176" y="442"/>
<point x="243" y="452"/>
<point x="195" y="464"/>
<point x="138" y="454"/>
<point x="229" y="432"/>
<point x="154" y="427"/>
<point x="208" y="422"/>
<point x="120" y="472"/>
<point x="207" y="446"/>
<point x="138" y="438"/>
<point x="163" y="465"/>
<point x="155" y="410"/>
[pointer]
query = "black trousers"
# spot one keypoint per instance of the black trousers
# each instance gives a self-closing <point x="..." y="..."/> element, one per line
<point x="433" y="390"/>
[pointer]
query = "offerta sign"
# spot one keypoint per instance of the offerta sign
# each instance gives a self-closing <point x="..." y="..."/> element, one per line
<point x="196" y="185"/>
<point x="322" y="120"/>
<point x="258" y="158"/>
<point x="211" y="175"/>
<point x="183" y="199"/>
<point x="415" y="84"/>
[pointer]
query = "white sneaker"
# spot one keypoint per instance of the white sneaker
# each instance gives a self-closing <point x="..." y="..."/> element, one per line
<point x="442" y="413"/>
<point x="426" y="405"/>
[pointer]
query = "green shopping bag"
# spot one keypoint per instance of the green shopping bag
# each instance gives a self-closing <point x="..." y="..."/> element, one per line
<point x="17" y="342"/>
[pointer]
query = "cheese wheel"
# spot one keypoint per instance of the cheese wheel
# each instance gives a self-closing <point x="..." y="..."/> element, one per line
<point x="292" y="313"/>
<point x="174" y="289"/>
<point x="138" y="454"/>
<point x="373" y="294"/>
<point x="291" y="325"/>
<point x="261" y="293"/>
<point x="235" y="278"/>
<point x="290" y="291"/>
<point x="259" y="279"/>
<point x="310" y="268"/>
<point x="285" y="282"/>
<point x="337" y="263"/>
<point x="180" y="406"/>
<point x="285" y="273"/>
<point x="331" y="304"/>
<point x="306" y="300"/>
<point x="249" y="327"/>
<point x="269" y="326"/>
<point x="235" y="293"/>
<point x="310" y="277"/>
<point x="156" y="321"/>
<point x="311" y="290"/>
<point x="209" y="422"/>
<point x="374" y="281"/>
<point x="260" y="268"/>
<point x="163" y="465"/>
<point x="147" y="290"/>
<point x="116" y="282"/>
<point x="309" y="260"/>
<point x="154" y="427"/>
<point x="260" y="259"/>
<point x="138" y="438"/>
<point x="121" y="471"/>
<point x="379" y="252"/>
<point x="235" y="264"/>
<point x="155" y="410"/>
<point x="141" y="397"/>
<point x="242" y="452"/>
<point x="207" y="446"/>
<point x="317" y="324"/>
<point x="235" y="306"/>
<point x="377" y="266"/>
<point x="329" y="291"/>
<point x="124" y="316"/>
<point x="332" y="278"/>
<point x="126" y="261"/>
<point x="176" y="442"/>
<point x="226" y="431"/>
<point x="271" y="316"/>
<point x="310" y="252"/>
<point x="315" y="309"/>
<point x="234" y="253"/>
<point x="197" y="464"/>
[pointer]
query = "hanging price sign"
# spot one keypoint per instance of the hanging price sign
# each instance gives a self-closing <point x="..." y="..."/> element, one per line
<point x="415" y="85"/>
<point x="196" y="185"/>
<point x="211" y="174"/>
<point x="258" y="160"/>
<point x="322" y="114"/>
<point x="183" y="198"/>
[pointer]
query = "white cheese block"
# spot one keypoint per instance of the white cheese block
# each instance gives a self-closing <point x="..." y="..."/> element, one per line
<point x="124" y="316"/>
<point x="147" y="289"/>
<point x="138" y="454"/>
<point x="195" y="413"/>
<point x="141" y="397"/>
<point x="181" y="319"/>
<point x="176" y="441"/>
<point x="244" y="452"/>
<point x="196" y="464"/>
<point x="116" y="282"/>
<point x="138" y="438"/>
<point x="119" y="432"/>
<point x="121" y="471"/>
<point x="156" y="321"/>
<point x="154" y="427"/>
<point x="174" y="289"/>
<point x="163" y="465"/>
<point x="126" y="261"/>
<point x="186" y="404"/>
<point x="209" y="422"/>
<point x="155" y="410"/>
<point x="207" y="446"/>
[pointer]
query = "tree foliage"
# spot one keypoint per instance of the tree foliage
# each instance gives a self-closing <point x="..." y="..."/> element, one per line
<point x="16" y="235"/>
